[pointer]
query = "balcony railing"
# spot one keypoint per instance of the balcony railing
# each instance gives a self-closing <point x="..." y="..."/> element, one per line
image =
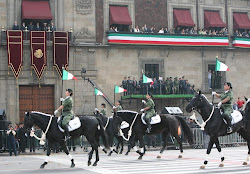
<point x="241" y="42"/>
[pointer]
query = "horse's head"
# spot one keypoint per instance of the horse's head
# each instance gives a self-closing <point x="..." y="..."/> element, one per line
<point x="247" y="107"/>
<point x="197" y="102"/>
<point x="117" y="121"/>
<point x="28" y="121"/>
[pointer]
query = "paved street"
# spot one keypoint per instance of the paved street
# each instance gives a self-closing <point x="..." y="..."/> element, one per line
<point x="121" y="164"/>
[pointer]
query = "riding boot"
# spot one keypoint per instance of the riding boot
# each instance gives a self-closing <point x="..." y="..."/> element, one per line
<point x="66" y="132"/>
<point x="148" y="126"/>
<point x="229" y="125"/>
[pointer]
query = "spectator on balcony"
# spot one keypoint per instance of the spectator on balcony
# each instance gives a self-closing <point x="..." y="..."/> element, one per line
<point x="183" y="31"/>
<point x="131" y="29"/>
<point x="191" y="31"/>
<point x="177" y="31"/>
<point x="145" y="28"/>
<point x="15" y="26"/>
<point x="134" y="85"/>
<point x="171" y="31"/>
<point x="30" y="27"/>
<point x="151" y="30"/>
<point x="23" y="27"/>
<point x="52" y="27"/>
<point x="136" y="30"/>
<point x="214" y="33"/>
<point x="111" y="29"/>
<point x="161" y="30"/>
<point x="142" y="30"/>
<point x="37" y="27"/>
<point x="225" y="33"/>
<point x="166" y="30"/>
<point x="129" y="83"/>
<point x="210" y="32"/>
<point x="125" y="85"/>
<point x="45" y="28"/>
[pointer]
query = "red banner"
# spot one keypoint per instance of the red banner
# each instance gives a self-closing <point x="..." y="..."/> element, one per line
<point x="61" y="50"/>
<point x="15" y="51"/>
<point x="38" y="52"/>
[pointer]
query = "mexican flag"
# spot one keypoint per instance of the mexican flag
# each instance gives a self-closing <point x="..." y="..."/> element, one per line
<point x="119" y="89"/>
<point x="97" y="92"/>
<point x="68" y="76"/>
<point x="220" y="66"/>
<point x="147" y="80"/>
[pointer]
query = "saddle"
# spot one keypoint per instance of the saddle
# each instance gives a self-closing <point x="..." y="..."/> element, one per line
<point x="236" y="117"/>
<point x="154" y="120"/>
<point x="73" y="124"/>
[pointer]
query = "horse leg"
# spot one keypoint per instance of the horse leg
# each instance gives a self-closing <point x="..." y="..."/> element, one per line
<point x="65" y="149"/>
<point x="47" y="157"/>
<point x="90" y="156"/>
<point x="121" y="142"/>
<point x="131" y="144"/>
<point x="178" y="139"/>
<point x="221" y="154"/>
<point x="248" y="155"/>
<point x="245" y="135"/>
<point x="164" y="140"/>
<point x="210" y="145"/>
<point x="142" y="147"/>
<point x="97" y="155"/>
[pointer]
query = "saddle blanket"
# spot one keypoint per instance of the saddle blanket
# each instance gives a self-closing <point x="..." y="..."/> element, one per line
<point x="73" y="124"/>
<point x="124" y="125"/>
<point x="154" y="120"/>
<point x="236" y="117"/>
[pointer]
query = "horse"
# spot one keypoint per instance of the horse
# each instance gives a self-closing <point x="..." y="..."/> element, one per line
<point x="109" y="127"/>
<point x="91" y="127"/>
<point x="215" y="125"/>
<point x="168" y="124"/>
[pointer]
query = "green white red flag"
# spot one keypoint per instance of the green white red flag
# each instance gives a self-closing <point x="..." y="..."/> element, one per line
<point x="221" y="66"/>
<point x="147" y="80"/>
<point x="68" y="76"/>
<point x="119" y="89"/>
<point x="98" y="92"/>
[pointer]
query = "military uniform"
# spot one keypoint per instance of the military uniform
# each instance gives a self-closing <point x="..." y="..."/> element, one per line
<point x="176" y="86"/>
<point x="118" y="108"/>
<point x="167" y="86"/>
<point x="151" y="111"/>
<point x="67" y="110"/>
<point x="103" y="112"/>
<point x="227" y="107"/>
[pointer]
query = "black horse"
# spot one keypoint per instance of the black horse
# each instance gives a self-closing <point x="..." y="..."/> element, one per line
<point x="91" y="127"/>
<point x="111" y="131"/>
<point x="168" y="124"/>
<point x="215" y="126"/>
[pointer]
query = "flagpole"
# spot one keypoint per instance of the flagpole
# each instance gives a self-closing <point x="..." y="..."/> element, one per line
<point x="62" y="83"/>
<point x="114" y="96"/>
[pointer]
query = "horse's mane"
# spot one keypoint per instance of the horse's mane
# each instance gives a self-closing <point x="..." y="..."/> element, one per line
<point x="40" y="113"/>
<point x="127" y="111"/>
<point x="206" y="99"/>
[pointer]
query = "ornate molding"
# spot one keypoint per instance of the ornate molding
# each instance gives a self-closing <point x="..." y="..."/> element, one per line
<point x="84" y="7"/>
<point x="84" y="33"/>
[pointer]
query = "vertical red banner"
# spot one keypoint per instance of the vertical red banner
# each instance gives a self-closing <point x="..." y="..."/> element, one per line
<point x="38" y="52"/>
<point x="15" y="51"/>
<point x="61" y="50"/>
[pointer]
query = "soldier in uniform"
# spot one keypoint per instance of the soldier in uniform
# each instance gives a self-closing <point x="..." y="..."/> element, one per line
<point x="129" y="84"/>
<point x="150" y="110"/>
<point x="226" y="104"/>
<point x="176" y="86"/>
<point x="167" y="83"/>
<point x="67" y="113"/>
<point x="103" y="110"/>
<point x="171" y="85"/>
<point x="125" y="85"/>
<point x="119" y="105"/>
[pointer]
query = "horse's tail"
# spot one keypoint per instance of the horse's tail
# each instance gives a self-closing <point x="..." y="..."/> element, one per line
<point x="103" y="134"/>
<point x="186" y="129"/>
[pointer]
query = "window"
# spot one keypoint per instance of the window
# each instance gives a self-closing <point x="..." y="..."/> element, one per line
<point x="217" y="77"/>
<point x="152" y="70"/>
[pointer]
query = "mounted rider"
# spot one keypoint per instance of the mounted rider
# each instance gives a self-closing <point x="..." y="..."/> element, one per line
<point x="119" y="105"/>
<point x="149" y="110"/>
<point x="67" y="112"/>
<point x="226" y="104"/>
<point x="103" y="110"/>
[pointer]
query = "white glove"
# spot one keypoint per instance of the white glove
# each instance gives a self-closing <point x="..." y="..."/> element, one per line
<point x="55" y="112"/>
<point x="142" y="110"/>
<point x="213" y="93"/>
<point x="114" y="107"/>
<point x="143" y="101"/>
<point x="61" y="99"/>
<point x="96" y="109"/>
<point x="219" y="105"/>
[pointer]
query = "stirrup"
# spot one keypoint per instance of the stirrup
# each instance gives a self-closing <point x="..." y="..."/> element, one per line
<point x="229" y="130"/>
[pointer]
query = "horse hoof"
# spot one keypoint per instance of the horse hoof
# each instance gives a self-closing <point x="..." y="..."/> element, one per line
<point x="104" y="151"/>
<point x="72" y="165"/>
<point x="42" y="166"/>
<point x="126" y="153"/>
<point x="202" y="167"/>
<point x="95" y="164"/>
<point x="221" y="165"/>
<point x="245" y="163"/>
<point x="140" y="157"/>
<point x="120" y="153"/>
<point x="158" y="156"/>
<point x="180" y="156"/>
<point x="109" y="154"/>
<point x="89" y="163"/>
<point x="115" y="151"/>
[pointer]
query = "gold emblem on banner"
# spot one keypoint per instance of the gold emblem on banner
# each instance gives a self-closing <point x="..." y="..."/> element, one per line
<point x="38" y="53"/>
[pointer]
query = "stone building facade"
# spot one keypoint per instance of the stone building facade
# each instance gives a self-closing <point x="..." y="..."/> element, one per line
<point x="108" y="64"/>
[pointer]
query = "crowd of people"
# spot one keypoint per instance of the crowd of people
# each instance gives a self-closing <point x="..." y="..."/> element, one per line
<point x="160" y="86"/>
<point x="37" y="27"/>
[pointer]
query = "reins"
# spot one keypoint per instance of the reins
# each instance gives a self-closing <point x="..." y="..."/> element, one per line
<point x="43" y="137"/>
<point x="130" y="130"/>
<point x="107" y="123"/>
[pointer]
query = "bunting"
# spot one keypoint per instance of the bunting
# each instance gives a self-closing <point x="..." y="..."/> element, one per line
<point x="38" y="52"/>
<point x="15" y="51"/>
<point x="61" y="50"/>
